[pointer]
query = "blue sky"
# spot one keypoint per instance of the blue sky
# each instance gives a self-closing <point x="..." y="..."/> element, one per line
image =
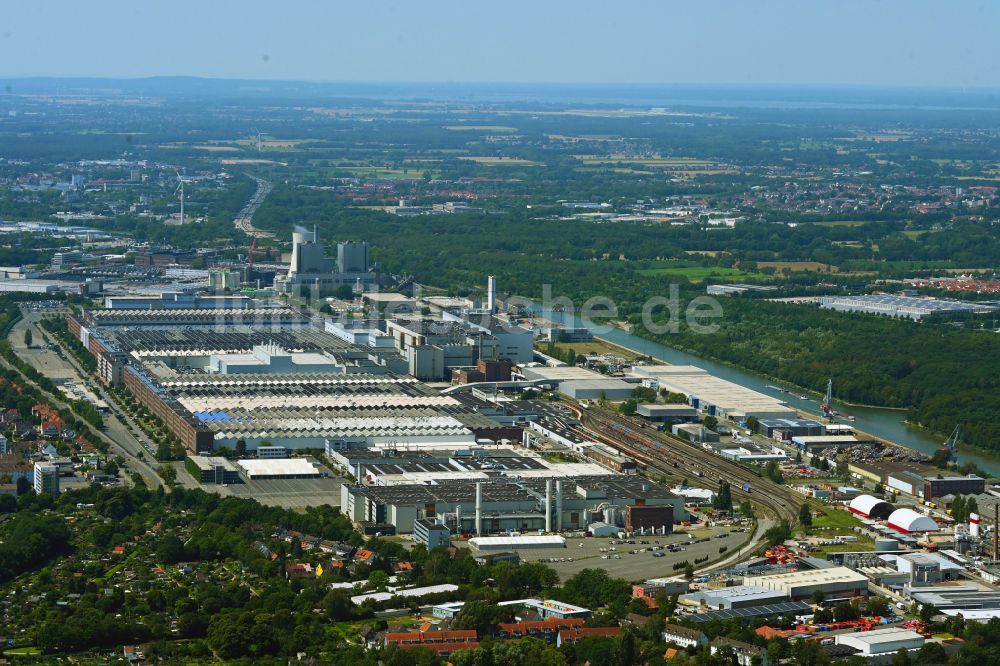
<point x="949" y="43"/>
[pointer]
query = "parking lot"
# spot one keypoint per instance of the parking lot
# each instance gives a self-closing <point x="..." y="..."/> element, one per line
<point x="622" y="562"/>
<point x="287" y="493"/>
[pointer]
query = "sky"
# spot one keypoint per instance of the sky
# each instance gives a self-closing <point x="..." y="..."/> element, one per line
<point x="911" y="43"/>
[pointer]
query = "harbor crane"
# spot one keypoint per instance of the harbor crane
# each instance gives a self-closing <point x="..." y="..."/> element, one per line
<point x="827" y="405"/>
<point x="951" y="444"/>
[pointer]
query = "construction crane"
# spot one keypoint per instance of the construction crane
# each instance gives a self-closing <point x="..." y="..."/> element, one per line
<point x="827" y="404"/>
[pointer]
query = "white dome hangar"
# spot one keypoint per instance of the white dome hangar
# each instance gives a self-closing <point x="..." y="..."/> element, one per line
<point x="867" y="506"/>
<point x="908" y="520"/>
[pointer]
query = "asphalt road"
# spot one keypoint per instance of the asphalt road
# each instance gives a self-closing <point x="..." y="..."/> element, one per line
<point x="57" y="367"/>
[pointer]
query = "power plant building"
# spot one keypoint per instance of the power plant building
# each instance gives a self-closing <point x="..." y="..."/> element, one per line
<point x="310" y="268"/>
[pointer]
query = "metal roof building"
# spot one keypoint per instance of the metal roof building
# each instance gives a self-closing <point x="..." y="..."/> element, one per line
<point x="713" y="394"/>
<point x="867" y="506"/>
<point x="517" y="542"/>
<point x="278" y="468"/>
<point x="908" y="520"/>
<point x="739" y="596"/>
<point x="835" y="583"/>
<point x="882" y="641"/>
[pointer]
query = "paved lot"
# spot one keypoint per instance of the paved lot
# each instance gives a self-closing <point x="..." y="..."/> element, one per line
<point x="287" y="493"/>
<point x="585" y="553"/>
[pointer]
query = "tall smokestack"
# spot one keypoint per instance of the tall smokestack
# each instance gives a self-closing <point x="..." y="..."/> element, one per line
<point x="479" y="509"/>
<point x="974" y="525"/>
<point x="548" y="505"/>
<point x="996" y="532"/>
<point x="559" y="513"/>
<point x="458" y="518"/>
<point x="491" y="294"/>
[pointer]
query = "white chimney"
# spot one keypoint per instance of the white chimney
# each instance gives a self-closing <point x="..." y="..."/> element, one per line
<point x="479" y="509"/>
<point x="491" y="294"/>
<point x="974" y="525"/>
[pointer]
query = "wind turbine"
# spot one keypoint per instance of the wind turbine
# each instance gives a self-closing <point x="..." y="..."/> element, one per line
<point x="257" y="132"/>
<point x="180" y="188"/>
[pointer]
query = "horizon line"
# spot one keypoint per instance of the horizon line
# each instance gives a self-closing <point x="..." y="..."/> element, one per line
<point x="955" y="88"/>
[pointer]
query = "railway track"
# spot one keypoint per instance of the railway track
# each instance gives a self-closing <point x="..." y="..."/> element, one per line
<point x="677" y="459"/>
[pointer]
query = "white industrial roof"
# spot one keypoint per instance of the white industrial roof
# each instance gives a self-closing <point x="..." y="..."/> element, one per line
<point x="882" y="636"/>
<point x="810" y="577"/>
<point x="277" y="467"/>
<point x="908" y="520"/>
<point x="865" y="504"/>
<point x="830" y="439"/>
<point x="412" y="592"/>
<point x="694" y="381"/>
<point x="516" y="541"/>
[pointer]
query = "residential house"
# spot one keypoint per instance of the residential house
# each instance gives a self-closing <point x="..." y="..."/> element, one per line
<point x="745" y="653"/>
<point x="683" y="636"/>
<point x="574" y="636"/>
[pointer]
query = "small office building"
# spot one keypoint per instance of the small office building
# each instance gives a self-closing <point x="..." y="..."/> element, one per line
<point x="431" y="534"/>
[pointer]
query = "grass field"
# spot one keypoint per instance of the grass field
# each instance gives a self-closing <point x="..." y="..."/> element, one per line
<point x="797" y="266"/>
<point x="383" y="172"/>
<point x="596" y="347"/>
<point x="696" y="273"/>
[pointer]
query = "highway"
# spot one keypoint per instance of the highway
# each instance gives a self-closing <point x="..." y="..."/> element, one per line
<point x="244" y="219"/>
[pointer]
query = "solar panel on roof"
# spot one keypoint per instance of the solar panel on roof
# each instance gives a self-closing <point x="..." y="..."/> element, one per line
<point x="784" y="608"/>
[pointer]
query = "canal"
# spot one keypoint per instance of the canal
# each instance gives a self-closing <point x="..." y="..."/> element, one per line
<point x="885" y="423"/>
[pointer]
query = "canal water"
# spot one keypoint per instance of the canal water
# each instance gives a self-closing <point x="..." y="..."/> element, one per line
<point x="885" y="423"/>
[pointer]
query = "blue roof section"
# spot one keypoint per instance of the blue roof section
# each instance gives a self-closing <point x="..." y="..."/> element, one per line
<point x="211" y="417"/>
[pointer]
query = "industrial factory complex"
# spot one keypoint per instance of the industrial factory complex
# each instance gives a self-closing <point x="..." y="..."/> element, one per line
<point x="421" y="418"/>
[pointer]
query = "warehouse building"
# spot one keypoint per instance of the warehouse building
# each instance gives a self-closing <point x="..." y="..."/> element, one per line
<point x="940" y="486"/>
<point x="867" y="506"/>
<point x="738" y="596"/>
<point x="833" y="583"/>
<point x="879" y="645"/>
<point x="580" y="383"/>
<point x="507" y="504"/>
<point x="790" y="428"/>
<point x="517" y="542"/>
<point x="712" y="394"/>
<point x="903" y="306"/>
<point x="908" y="521"/>
<point x="278" y="468"/>
<point x="821" y="443"/>
<point x="667" y="413"/>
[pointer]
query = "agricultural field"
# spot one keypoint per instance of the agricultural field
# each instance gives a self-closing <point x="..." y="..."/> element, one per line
<point x="697" y="274"/>
<point x="797" y="266"/>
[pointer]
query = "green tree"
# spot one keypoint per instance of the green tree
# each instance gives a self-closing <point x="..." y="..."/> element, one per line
<point x="931" y="653"/>
<point x="805" y="515"/>
<point x="901" y="657"/>
<point x="879" y="606"/>
<point x="168" y="473"/>
<point x="27" y="337"/>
